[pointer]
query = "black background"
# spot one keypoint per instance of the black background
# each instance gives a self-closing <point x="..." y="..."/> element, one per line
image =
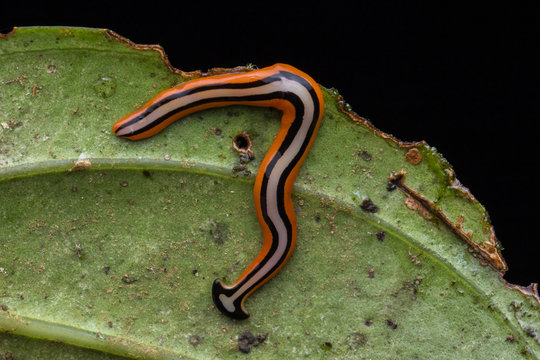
<point x="464" y="79"/>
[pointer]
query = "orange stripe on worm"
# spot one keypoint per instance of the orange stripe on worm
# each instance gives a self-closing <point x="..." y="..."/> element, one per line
<point x="300" y="99"/>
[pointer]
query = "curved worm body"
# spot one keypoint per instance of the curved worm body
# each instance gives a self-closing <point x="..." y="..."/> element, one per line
<point x="279" y="86"/>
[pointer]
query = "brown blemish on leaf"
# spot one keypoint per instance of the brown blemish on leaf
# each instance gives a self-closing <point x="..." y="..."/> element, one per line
<point x="331" y="223"/>
<point x="11" y="125"/>
<point x="81" y="165"/>
<point x="35" y="89"/>
<point x="413" y="156"/>
<point x="459" y="224"/>
<point x="126" y="279"/>
<point x="19" y="79"/>
<point x="414" y="258"/>
<point x="414" y="205"/>
<point x="488" y="250"/>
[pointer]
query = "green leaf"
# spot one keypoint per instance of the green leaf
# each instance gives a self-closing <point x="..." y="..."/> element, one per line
<point x="110" y="247"/>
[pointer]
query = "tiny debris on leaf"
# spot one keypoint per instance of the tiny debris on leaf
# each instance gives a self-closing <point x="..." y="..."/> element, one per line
<point x="247" y="340"/>
<point x="369" y="206"/>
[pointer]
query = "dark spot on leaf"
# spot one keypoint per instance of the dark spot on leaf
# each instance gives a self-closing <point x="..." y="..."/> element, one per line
<point x="239" y="168"/>
<point x="530" y="332"/>
<point x="147" y="174"/>
<point x="369" y="206"/>
<point x="246" y="158"/>
<point x="218" y="232"/>
<point x="247" y="340"/>
<point x="248" y="337"/>
<point x="12" y="124"/>
<point x="260" y="338"/>
<point x="365" y="155"/>
<point x="217" y="235"/>
<point x="381" y="235"/>
<point x="326" y="346"/>
<point x="391" y="324"/>
<point x="244" y="347"/>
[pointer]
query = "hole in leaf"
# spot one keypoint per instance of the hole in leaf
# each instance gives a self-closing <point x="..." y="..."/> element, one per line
<point x="242" y="144"/>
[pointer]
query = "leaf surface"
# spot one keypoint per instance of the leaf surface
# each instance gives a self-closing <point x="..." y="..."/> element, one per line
<point x="112" y="246"/>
